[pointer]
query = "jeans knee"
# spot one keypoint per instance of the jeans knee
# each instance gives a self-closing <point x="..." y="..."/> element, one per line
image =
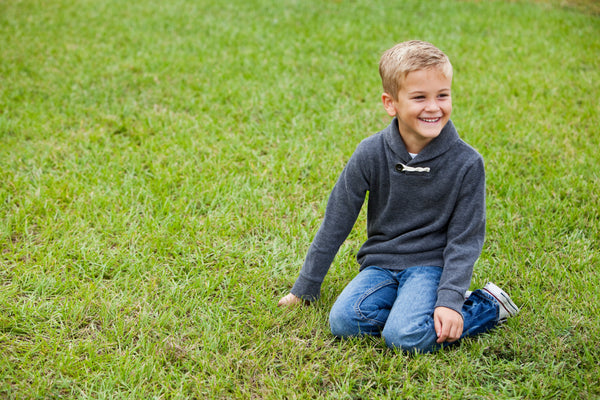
<point x="340" y="323"/>
<point x="346" y="321"/>
<point x="420" y="340"/>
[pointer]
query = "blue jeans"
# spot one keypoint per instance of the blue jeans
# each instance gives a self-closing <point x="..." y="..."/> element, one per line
<point x="399" y="306"/>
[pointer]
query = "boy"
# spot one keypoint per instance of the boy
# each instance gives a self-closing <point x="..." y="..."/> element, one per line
<point x="425" y="219"/>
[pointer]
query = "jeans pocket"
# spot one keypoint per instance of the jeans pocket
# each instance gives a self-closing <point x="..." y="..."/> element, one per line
<point x="375" y="304"/>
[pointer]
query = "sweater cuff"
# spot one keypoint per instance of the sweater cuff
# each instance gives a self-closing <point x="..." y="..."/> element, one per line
<point x="306" y="289"/>
<point x="450" y="299"/>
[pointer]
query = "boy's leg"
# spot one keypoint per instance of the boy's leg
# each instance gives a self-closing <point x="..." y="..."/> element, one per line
<point x="364" y="305"/>
<point x="486" y="308"/>
<point x="480" y="314"/>
<point x="410" y="325"/>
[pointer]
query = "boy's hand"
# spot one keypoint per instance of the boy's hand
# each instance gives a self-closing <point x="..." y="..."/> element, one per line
<point x="290" y="300"/>
<point x="448" y="324"/>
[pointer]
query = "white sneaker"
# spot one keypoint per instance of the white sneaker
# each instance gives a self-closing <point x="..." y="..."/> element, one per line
<point x="507" y="307"/>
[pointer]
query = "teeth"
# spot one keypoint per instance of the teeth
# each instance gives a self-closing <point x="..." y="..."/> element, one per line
<point x="430" y="119"/>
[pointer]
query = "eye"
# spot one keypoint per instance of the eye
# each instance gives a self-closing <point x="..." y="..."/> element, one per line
<point x="419" y="98"/>
<point x="444" y="95"/>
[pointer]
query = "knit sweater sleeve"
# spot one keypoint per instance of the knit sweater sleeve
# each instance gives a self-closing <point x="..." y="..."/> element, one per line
<point x="343" y="207"/>
<point x="465" y="236"/>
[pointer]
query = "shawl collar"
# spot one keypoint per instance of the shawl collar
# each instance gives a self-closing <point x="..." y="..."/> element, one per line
<point x="446" y="139"/>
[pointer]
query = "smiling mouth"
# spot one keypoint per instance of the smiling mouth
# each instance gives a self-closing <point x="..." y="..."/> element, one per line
<point x="430" y="120"/>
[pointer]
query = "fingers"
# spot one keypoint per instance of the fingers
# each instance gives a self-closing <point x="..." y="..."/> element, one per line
<point x="289" y="300"/>
<point x="453" y="334"/>
<point x="443" y="334"/>
<point x="437" y="323"/>
<point x="448" y="333"/>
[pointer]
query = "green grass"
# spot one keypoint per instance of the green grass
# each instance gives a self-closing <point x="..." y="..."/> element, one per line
<point x="164" y="166"/>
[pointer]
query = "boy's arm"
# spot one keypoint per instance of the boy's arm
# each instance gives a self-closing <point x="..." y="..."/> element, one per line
<point x="343" y="207"/>
<point x="466" y="233"/>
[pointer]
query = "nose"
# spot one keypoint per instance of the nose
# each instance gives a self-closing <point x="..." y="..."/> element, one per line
<point x="432" y="105"/>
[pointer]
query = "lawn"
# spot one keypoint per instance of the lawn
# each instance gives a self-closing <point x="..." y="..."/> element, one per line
<point x="164" y="166"/>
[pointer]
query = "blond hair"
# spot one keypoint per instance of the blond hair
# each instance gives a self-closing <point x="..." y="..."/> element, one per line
<point x="410" y="56"/>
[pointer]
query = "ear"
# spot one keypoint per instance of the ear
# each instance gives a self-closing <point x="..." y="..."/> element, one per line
<point x="388" y="104"/>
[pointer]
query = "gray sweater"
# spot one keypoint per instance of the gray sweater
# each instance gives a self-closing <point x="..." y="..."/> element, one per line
<point x="426" y="211"/>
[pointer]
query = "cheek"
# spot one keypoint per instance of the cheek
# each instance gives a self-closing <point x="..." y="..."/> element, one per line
<point x="414" y="110"/>
<point x="448" y="108"/>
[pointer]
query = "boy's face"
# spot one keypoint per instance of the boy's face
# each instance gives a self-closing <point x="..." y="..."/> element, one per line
<point x="423" y="106"/>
